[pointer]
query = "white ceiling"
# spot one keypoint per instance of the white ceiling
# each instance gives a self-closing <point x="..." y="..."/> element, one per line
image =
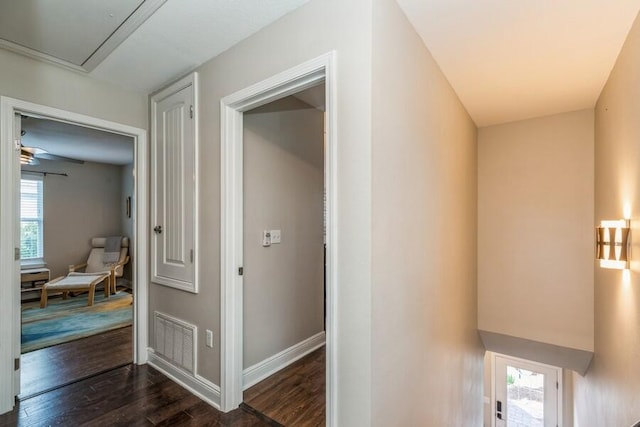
<point x="36" y="25"/>
<point x="77" y="142"/>
<point x="506" y="59"/>
<point x="515" y="59"/>
<point x="183" y="34"/>
<point x="313" y="96"/>
<point x="74" y="34"/>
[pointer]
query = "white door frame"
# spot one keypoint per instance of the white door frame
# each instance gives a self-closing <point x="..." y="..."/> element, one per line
<point x="10" y="269"/>
<point x="527" y="362"/>
<point x="232" y="107"/>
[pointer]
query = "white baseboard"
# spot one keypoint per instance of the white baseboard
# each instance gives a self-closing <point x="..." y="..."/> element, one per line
<point x="200" y="386"/>
<point x="261" y="370"/>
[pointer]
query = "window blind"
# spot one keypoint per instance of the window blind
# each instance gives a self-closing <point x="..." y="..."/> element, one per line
<point x="31" y="216"/>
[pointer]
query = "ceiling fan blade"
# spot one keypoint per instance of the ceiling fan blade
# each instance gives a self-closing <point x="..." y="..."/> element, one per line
<point x="47" y="156"/>
<point x="33" y="150"/>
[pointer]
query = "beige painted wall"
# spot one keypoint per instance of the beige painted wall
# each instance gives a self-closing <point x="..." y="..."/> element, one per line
<point x="427" y="360"/>
<point x="127" y="190"/>
<point x="535" y="229"/>
<point x="609" y="393"/>
<point x="29" y="80"/>
<point x="319" y="26"/>
<point x="283" y="190"/>
<point x="83" y="205"/>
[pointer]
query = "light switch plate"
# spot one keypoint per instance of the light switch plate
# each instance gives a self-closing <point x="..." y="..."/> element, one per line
<point x="266" y="238"/>
<point x="209" y="338"/>
<point x="276" y="236"/>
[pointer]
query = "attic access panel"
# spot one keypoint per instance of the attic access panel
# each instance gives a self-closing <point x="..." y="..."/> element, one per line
<point x="78" y="34"/>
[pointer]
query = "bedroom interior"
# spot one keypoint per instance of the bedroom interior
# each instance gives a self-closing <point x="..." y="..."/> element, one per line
<point x="77" y="188"/>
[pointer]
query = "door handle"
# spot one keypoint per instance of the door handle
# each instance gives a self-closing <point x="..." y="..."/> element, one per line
<point x="158" y="229"/>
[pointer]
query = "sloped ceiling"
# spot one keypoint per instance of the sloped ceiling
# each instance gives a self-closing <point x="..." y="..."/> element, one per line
<point x="515" y="59"/>
<point x="77" y="142"/>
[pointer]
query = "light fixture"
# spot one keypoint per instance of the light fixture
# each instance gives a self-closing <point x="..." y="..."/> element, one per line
<point x="613" y="244"/>
<point x="26" y="157"/>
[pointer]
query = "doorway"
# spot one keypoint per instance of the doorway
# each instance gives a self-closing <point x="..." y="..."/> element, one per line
<point x="526" y="393"/>
<point x="10" y="233"/>
<point x="233" y="107"/>
<point x="76" y="189"/>
<point x="283" y="198"/>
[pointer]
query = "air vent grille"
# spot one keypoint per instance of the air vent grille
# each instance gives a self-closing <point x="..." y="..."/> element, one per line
<point x="175" y="340"/>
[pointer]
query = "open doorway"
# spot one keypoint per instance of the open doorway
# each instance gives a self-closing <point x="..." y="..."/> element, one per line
<point x="11" y="111"/>
<point x="524" y="392"/>
<point x="312" y="73"/>
<point x="77" y="192"/>
<point x="284" y="245"/>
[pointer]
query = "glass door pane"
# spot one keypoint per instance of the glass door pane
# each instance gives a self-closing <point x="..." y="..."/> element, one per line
<point x="525" y="398"/>
<point x="526" y="393"/>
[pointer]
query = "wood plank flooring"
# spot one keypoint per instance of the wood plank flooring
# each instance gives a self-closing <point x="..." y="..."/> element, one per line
<point x="127" y="396"/>
<point x="295" y="396"/>
<point x="51" y="367"/>
<point x="133" y="395"/>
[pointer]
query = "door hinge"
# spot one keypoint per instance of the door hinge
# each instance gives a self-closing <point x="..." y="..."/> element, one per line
<point x="191" y="256"/>
<point x="16" y="254"/>
<point x="191" y="111"/>
<point x="240" y="271"/>
<point x="16" y="364"/>
<point x="17" y="144"/>
<point x="557" y="385"/>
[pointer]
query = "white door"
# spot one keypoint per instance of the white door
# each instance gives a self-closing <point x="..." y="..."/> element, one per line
<point x="174" y="187"/>
<point x="526" y="393"/>
<point x="17" y="130"/>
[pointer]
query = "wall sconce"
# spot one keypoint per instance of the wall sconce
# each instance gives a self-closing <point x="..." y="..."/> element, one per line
<point x="613" y="244"/>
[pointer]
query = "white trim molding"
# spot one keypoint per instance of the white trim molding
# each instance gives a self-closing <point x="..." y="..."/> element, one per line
<point x="196" y="384"/>
<point x="261" y="370"/>
<point x="308" y="74"/>
<point x="9" y="267"/>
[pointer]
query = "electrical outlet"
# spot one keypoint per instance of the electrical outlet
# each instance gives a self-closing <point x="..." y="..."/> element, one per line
<point x="209" y="338"/>
<point x="276" y="236"/>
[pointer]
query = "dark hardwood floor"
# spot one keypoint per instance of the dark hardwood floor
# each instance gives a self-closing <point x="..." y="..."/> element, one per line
<point x="91" y="382"/>
<point x="51" y="367"/>
<point x="295" y="396"/>
<point x="127" y="396"/>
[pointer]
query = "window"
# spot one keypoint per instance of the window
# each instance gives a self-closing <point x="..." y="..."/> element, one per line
<point x="31" y="231"/>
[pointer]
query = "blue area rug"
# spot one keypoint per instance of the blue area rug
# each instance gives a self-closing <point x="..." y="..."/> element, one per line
<point x="67" y="320"/>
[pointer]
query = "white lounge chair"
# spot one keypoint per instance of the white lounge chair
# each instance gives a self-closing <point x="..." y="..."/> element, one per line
<point x="95" y="262"/>
<point x="96" y="271"/>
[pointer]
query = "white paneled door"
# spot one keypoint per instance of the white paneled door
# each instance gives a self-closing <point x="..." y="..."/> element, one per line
<point x="174" y="181"/>
<point x="526" y="393"/>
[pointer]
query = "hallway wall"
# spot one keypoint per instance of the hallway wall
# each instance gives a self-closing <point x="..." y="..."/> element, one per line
<point x="283" y="190"/>
<point x="35" y="81"/>
<point x="535" y="229"/>
<point x="608" y="395"/>
<point x="266" y="53"/>
<point x="426" y="355"/>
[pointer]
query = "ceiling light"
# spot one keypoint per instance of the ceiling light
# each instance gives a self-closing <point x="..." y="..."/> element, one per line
<point x="26" y="157"/>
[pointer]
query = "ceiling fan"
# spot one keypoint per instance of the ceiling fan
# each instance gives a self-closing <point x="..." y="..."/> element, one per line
<point x="31" y="155"/>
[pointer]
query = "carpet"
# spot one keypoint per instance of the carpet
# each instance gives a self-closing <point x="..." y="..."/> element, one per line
<point x="67" y="320"/>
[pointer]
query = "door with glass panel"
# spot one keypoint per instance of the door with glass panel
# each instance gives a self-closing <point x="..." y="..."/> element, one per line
<point x="526" y="393"/>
